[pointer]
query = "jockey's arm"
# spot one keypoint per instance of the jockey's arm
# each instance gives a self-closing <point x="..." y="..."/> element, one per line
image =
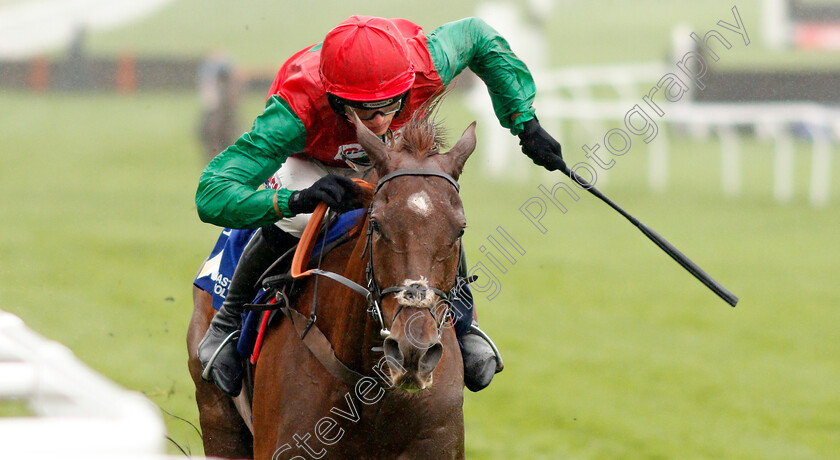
<point x="472" y="43"/>
<point x="227" y="193"/>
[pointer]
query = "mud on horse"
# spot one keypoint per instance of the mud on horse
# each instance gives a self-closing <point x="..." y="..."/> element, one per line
<point x="387" y="385"/>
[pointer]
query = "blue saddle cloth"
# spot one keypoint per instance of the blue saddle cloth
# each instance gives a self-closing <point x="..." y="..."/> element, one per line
<point x="216" y="272"/>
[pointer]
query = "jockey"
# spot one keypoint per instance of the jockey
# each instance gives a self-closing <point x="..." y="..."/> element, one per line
<point x="381" y="70"/>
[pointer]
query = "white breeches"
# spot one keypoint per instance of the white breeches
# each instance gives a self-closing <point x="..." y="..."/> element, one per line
<point x="298" y="173"/>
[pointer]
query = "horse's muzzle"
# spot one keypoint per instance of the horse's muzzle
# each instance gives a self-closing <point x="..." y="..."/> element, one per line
<point x="411" y="368"/>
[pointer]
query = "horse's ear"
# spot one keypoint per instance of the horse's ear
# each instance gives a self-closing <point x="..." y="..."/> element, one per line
<point x="373" y="145"/>
<point x="462" y="150"/>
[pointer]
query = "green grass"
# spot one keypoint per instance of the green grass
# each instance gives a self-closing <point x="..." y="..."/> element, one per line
<point x="615" y="352"/>
<point x="100" y="237"/>
<point x="612" y="350"/>
<point x="14" y="408"/>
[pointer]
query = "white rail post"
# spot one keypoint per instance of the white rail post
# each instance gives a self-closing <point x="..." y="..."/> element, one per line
<point x="526" y="38"/>
<point x="77" y="412"/>
<point x="730" y="160"/>
<point x="775" y="23"/>
<point x="820" y="166"/>
<point x="580" y="89"/>
<point x="783" y="164"/>
<point x="658" y="164"/>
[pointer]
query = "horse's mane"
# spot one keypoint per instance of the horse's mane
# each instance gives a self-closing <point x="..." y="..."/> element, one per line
<point x="423" y="133"/>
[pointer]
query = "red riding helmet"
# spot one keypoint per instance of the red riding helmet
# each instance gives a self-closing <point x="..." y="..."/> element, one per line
<point x="365" y="58"/>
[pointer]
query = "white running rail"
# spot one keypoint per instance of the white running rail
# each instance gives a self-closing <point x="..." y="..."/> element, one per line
<point x="77" y="413"/>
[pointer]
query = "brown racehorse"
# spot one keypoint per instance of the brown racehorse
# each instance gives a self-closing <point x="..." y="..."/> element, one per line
<point x="407" y="396"/>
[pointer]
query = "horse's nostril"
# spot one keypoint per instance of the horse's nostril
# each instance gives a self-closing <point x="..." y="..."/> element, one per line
<point x="430" y="359"/>
<point x="391" y="348"/>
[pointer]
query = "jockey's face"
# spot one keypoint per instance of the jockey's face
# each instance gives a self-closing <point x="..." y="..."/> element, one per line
<point x="377" y="120"/>
<point x="379" y="124"/>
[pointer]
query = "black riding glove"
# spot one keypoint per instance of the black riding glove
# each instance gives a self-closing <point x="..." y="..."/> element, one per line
<point x="340" y="193"/>
<point x="540" y="146"/>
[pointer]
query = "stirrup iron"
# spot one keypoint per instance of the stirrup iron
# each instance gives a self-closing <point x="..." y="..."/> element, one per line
<point x="205" y="374"/>
<point x="474" y="329"/>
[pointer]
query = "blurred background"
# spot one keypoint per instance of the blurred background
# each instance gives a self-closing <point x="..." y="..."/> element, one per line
<point x="110" y="111"/>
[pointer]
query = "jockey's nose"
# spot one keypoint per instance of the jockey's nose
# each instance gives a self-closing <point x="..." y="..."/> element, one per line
<point x="379" y="124"/>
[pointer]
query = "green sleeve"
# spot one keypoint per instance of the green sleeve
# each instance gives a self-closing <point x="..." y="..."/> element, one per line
<point x="472" y="43"/>
<point x="227" y="192"/>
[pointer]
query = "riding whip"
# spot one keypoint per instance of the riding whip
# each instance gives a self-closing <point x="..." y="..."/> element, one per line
<point x="675" y="254"/>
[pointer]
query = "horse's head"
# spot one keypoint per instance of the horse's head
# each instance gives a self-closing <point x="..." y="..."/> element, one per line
<point x="416" y="223"/>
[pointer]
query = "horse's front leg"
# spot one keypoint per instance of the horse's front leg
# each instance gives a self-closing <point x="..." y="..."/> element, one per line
<point x="224" y="432"/>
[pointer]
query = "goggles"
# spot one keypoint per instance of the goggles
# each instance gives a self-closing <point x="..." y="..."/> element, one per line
<point x="366" y="113"/>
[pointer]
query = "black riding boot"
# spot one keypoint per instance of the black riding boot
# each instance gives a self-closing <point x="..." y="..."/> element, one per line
<point x="482" y="359"/>
<point x="221" y="362"/>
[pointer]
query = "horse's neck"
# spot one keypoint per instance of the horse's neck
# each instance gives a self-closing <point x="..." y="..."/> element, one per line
<point x="347" y="324"/>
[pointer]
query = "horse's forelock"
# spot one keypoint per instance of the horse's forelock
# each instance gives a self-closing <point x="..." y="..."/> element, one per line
<point x="423" y="133"/>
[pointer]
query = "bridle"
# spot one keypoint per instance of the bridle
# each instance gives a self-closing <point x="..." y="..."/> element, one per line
<point x="373" y="293"/>
<point x="413" y="291"/>
<point x="317" y="342"/>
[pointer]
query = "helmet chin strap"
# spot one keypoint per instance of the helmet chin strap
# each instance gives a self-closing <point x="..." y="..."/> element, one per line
<point x="387" y="137"/>
<point x="361" y="164"/>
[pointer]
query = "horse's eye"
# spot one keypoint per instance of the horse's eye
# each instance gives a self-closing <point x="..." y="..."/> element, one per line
<point x="461" y="233"/>
<point x="374" y="226"/>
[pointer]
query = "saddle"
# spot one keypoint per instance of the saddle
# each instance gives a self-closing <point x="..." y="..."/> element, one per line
<point x="335" y="230"/>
